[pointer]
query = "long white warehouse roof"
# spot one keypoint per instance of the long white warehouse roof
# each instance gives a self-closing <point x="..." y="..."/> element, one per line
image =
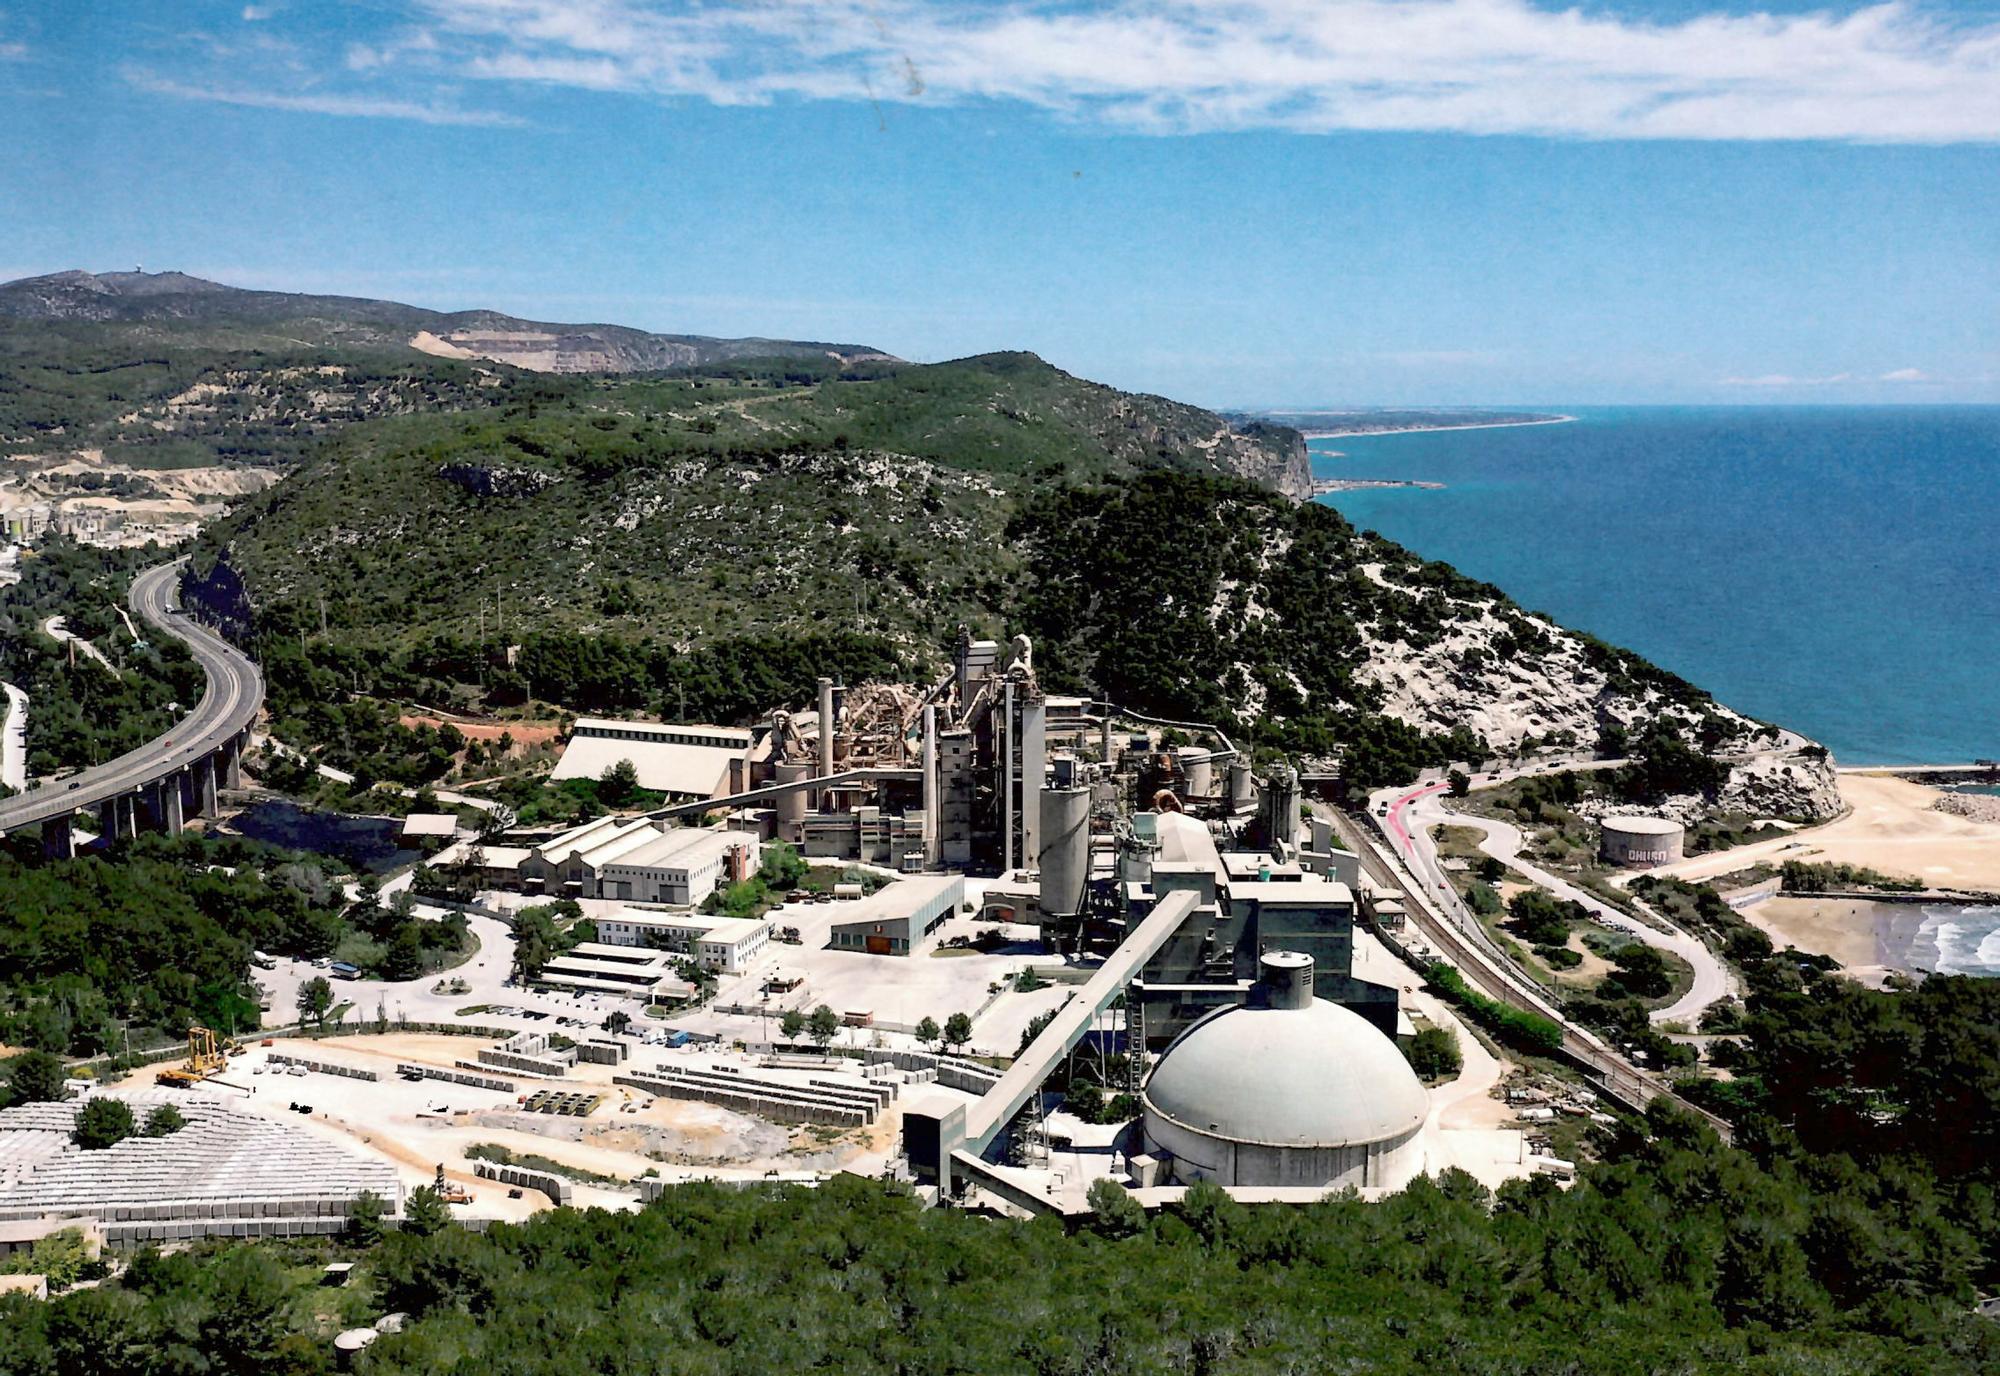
<point x="669" y="758"/>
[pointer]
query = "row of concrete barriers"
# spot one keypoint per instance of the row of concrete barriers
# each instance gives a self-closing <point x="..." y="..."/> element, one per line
<point x="473" y="1078"/>
<point x="323" y="1067"/>
<point x="777" y="1100"/>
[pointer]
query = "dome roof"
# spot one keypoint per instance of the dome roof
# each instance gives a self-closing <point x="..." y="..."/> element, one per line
<point x="1316" y="1076"/>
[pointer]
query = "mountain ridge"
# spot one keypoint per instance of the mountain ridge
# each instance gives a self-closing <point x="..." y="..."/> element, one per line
<point x="179" y="300"/>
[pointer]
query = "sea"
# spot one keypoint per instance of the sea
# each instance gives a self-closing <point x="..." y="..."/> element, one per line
<point x="1833" y="569"/>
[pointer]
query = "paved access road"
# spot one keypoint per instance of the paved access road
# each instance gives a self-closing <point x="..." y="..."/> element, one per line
<point x="1412" y="814"/>
<point x="235" y="692"/>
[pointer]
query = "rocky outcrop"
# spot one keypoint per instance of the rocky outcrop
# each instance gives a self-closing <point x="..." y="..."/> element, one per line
<point x="1272" y="456"/>
<point x="1798" y="785"/>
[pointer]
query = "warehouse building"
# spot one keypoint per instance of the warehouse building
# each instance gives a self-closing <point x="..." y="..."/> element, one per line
<point x="630" y="972"/>
<point x="639" y="860"/>
<point x="681" y="867"/>
<point x="896" y="919"/>
<point x="683" y="762"/>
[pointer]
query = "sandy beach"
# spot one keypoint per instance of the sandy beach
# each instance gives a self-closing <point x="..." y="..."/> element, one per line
<point x="1313" y="434"/>
<point x="1891" y="826"/>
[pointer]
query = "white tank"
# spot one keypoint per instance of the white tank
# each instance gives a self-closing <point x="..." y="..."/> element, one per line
<point x="1242" y="787"/>
<point x="1198" y="769"/>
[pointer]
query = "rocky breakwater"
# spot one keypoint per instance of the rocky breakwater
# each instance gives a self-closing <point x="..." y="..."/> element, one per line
<point x="1978" y="807"/>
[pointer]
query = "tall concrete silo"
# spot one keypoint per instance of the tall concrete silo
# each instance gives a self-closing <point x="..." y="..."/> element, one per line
<point x="1064" y="857"/>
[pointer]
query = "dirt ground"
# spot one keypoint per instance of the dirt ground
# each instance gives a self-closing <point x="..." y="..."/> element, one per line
<point x="523" y="732"/>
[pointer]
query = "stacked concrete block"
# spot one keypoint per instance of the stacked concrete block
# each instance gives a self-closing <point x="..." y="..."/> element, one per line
<point x="226" y="1173"/>
<point x="968" y="1077"/>
<point x="599" y="1051"/>
<point x="324" y="1067"/>
<point x="530" y="1053"/>
<point x="781" y="1102"/>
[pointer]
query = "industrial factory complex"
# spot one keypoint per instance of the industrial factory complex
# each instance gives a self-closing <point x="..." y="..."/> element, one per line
<point x="1061" y="880"/>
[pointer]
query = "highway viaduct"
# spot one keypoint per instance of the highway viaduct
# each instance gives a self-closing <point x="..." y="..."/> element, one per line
<point x="165" y="781"/>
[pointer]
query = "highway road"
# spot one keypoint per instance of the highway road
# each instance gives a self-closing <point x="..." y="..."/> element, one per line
<point x="235" y="691"/>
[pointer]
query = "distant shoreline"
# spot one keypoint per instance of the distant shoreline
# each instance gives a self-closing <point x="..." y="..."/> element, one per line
<point x="1313" y="434"/>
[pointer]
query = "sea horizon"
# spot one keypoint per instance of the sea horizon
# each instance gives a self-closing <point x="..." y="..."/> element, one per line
<point x="1816" y="565"/>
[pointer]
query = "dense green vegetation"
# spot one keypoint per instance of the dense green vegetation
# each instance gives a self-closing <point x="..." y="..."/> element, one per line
<point x="247" y="396"/>
<point x="159" y="935"/>
<point x="1522" y="1030"/>
<point x="1806" y="876"/>
<point x="1674" y="1254"/>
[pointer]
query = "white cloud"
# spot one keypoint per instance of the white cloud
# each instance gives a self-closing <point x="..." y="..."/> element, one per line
<point x="1906" y="375"/>
<point x="1785" y="380"/>
<point x="319" y="103"/>
<point x="253" y="13"/>
<point x="1890" y="72"/>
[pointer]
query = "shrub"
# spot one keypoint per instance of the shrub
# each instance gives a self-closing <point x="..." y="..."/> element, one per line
<point x="103" y="1123"/>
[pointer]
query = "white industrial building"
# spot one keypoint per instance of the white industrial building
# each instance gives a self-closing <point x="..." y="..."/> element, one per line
<point x="639" y="860"/>
<point x="680" y="868"/>
<point x="726" y="945"/>
<point x="684" y="762"/>
<point x="607" y="968"/>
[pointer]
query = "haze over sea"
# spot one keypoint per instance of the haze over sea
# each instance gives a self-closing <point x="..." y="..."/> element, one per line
<point x="1833" y="569"/>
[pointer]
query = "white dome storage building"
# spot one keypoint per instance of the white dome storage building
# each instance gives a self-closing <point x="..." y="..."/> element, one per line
<point x="1294" y="1091"/>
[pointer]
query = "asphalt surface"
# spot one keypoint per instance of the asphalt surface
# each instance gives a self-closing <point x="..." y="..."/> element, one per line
<point x="235" y="692"/>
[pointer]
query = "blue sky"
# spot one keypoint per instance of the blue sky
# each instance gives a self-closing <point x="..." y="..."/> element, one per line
<point x="1237" y="202"/>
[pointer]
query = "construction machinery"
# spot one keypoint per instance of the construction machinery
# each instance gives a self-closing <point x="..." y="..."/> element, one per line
<point x="448" y="1192"/>
<point x="206" y="1058"/>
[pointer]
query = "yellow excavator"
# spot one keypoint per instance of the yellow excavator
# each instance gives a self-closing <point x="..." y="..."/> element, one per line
<point x="207" y="1056"/>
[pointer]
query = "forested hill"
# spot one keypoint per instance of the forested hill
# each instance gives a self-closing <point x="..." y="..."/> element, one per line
<point x="646" y="542"/>
<point x="163" y="370"/>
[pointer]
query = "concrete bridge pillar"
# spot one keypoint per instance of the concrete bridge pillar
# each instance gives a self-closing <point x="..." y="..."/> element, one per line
<point x="58" y="842"/>
<point x="114" y="818"/>
<point x="229" y="761"/>
<point x="201" y="777"/>
<point x="165" y="797"/>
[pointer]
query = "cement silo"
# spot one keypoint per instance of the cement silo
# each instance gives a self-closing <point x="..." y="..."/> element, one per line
<point x="1279" y="809"/>
<point x="1242" y="787"/>
<point x="1064" y="857"/>
<point x="791" y="806"/>
<point x="1197" y="769"/>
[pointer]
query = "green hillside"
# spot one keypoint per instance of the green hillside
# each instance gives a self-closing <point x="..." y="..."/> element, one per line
<point x="704" y="543"/>
<point x="676" y="508"/>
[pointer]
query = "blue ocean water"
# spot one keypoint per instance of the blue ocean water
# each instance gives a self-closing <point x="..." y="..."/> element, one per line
<point x="1833" y="569"/>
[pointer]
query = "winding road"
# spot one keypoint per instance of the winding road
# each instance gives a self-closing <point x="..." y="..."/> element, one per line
<point x="1416" y="812"/>
<point x="235" y="691"/>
